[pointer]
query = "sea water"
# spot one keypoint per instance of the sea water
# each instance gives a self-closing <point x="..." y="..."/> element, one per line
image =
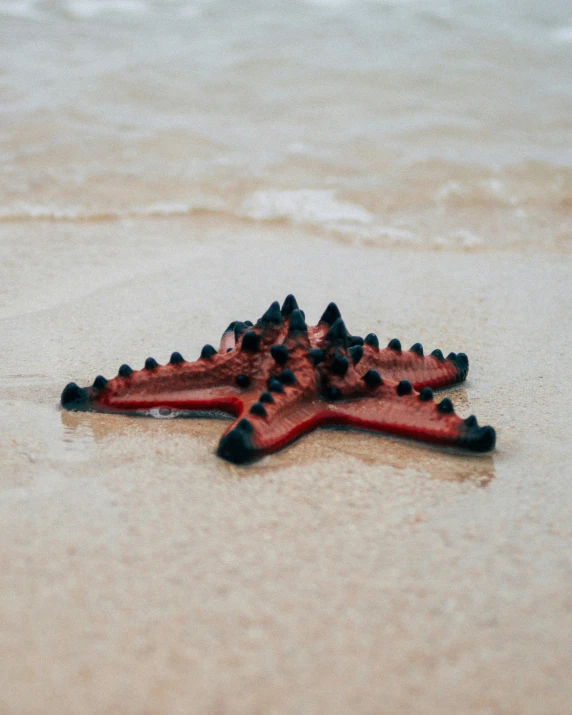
<point x="429" y="123"/>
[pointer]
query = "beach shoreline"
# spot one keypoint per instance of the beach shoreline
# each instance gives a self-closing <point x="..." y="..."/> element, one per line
<point x="140" y="573"/>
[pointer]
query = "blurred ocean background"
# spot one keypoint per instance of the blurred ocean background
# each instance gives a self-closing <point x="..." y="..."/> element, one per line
<point x="419" y="123"/>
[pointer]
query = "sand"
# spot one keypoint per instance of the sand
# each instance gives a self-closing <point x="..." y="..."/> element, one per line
<point x="353" y="573"/>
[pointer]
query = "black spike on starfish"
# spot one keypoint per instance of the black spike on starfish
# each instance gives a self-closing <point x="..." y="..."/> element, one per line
<point x="282" y="378"/>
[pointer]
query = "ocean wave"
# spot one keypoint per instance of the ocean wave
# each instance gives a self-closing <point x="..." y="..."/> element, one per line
<point x="489" y="190"/>
<point x="303" y="206"/>
<point x="42" y="212"/>
<point x="24" y="211"/>
<point x="436" y="227"/>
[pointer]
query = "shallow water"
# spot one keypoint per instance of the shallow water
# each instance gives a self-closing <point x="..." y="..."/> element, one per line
<point x="420" y="123"/>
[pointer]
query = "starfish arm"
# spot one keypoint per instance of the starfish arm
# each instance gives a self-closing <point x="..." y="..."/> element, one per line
<point x="214" y="382"/>
<point x="185" y="386"/>
<point x="366" y="400"/>
<point x="395" y="408"/>
<point x="433" y="370"/>
<point x="253" y="436"/>
<point x="285" y="410"/>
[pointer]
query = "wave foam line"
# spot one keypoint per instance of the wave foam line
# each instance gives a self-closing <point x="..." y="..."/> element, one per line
<point x="301" y="206"/>
<point x="35" y="212"/>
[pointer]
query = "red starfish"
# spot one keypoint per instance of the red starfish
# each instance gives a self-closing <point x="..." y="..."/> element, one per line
<point x="281" y="379"/>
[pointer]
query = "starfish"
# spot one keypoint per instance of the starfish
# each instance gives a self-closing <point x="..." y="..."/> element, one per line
<point x="281" y="378"/>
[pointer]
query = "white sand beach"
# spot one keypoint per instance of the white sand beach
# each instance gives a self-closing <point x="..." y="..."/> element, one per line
<point x="349" y="573"/>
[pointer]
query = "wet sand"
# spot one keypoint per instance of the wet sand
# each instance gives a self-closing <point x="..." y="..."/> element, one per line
<point x="350" y="573"/>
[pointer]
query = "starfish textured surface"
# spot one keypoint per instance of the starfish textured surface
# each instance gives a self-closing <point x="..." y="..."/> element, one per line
<point x="281" y="378"/>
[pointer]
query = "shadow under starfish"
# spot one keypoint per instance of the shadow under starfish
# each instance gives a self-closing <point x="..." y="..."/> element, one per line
<point x="282" y="378"/>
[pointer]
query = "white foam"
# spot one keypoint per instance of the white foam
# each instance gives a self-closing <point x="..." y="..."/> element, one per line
<point x="495" y="187"/>
<point x="303" y="206"/>
<point x="165" y="208"/>
<point x="178" y="208"/>
<point x="449" y="188"/>
<point x="485" y="189"/>
<point x="563" y="34"/>
<point x="23" y="210"/>
<point x="466" y="238"/>
<point x="375" y="232"/>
